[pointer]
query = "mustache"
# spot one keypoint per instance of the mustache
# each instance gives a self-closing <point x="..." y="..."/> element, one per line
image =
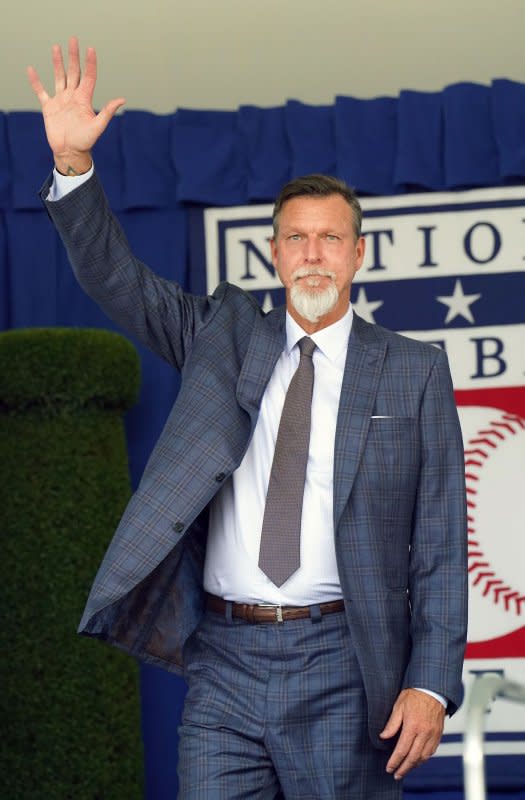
<point x="307" y="272"/>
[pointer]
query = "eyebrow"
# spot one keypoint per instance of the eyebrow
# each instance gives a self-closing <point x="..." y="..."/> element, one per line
<point x="290" y="230"/>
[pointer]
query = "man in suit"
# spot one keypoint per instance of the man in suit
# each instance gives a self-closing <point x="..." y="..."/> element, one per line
<point x="333" y="680"/>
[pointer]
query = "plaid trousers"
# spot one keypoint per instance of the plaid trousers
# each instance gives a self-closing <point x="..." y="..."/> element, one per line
<point x="277" y="710"/>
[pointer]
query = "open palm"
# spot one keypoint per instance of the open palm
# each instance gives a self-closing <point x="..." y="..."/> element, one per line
<point x="72" y="126"/>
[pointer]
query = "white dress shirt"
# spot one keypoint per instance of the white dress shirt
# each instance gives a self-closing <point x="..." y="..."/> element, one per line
<point x="231" y="569"/>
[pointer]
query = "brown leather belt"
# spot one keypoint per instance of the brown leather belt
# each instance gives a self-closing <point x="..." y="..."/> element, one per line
<point x="270" y="613"/>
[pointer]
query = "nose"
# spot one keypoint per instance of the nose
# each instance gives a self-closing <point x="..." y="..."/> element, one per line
<point x="312" y="253"/>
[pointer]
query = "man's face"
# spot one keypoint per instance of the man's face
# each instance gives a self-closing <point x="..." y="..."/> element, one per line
<point x="316" y="256"/>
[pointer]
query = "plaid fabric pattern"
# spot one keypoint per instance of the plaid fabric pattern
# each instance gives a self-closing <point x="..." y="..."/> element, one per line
<point x="277" y="708"/>
<point x="399" y="497"/>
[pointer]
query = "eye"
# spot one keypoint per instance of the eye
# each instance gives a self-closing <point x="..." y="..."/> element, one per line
<point x="332" y="237"/>
<point x="295" y="237"/>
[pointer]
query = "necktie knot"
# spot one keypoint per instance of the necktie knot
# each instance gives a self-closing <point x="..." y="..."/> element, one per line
<point x="307" y="346"/>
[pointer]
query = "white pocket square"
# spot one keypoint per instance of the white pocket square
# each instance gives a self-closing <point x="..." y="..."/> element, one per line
<point x="380" y="416"/>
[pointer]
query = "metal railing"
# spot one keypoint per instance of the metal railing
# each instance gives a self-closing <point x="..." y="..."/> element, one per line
<point x="485" y="689"/>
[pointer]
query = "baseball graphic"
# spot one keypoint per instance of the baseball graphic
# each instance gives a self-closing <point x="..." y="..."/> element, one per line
<point x="494" y="443"/>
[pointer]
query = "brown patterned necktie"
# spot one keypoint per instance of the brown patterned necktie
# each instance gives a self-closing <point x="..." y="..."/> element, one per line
<point x="280" y="552"/>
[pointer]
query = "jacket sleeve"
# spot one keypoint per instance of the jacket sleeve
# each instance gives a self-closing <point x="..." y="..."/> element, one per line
<point x="438" y="587"/>
<point x="155" y="311"/>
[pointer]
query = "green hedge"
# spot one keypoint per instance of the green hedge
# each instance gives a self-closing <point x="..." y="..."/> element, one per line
<point x="70" y="708"/>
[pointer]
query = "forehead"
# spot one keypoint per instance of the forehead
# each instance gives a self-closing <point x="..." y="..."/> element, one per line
<point x="309" y="212"/>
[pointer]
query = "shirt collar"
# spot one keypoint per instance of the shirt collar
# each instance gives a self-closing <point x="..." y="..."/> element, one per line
<point x="332" y="340"/>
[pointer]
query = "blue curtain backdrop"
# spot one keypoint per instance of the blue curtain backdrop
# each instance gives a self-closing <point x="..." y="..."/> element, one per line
<point x="156" y="168"/>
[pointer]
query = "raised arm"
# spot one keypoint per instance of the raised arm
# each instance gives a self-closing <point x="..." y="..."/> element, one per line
<point x="155" y="311"/>
<point x="72" y="126"/>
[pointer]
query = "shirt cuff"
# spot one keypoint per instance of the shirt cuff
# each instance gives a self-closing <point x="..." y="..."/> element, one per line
<point x="63" y="184"/>
<point x="435" y="695"/>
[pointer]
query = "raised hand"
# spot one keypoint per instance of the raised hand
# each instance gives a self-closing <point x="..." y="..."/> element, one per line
<point x="72" y="126"/>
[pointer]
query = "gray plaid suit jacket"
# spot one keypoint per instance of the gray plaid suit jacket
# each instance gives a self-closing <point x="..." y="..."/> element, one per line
<point x="399" y="497"/>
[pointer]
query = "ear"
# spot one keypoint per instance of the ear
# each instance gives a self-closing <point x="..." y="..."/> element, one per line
<point x="360" y="252"/>
<point x="273" y="251"/>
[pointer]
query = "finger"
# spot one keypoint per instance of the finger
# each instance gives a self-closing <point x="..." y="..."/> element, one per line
<point x="410" y="762"/>
<point x="421" y="749"/>
<point x="429" y="749"/>
<point x="413" y="759"/>
<point x="36" y="85"/>
<point x="73" y="64"/>
<point x="430" y="742"/>
<point x="393" y="725"/>
<point x="391" y="728"/>
<point x="400" y="752"/>
<point x="58" y="67"/>
<point x="407" y="759"/>
<point x="89" y="78"/>
<point x="106" y="114"/>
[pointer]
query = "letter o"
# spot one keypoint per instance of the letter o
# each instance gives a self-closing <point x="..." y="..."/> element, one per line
<point x="496" y="242"/>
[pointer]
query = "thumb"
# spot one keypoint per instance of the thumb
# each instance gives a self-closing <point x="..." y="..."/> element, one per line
<point x="106" y="114"/>
<point x="393" y="724"/>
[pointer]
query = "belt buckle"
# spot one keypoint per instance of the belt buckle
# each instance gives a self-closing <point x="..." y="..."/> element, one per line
<point x="277" y="608"/>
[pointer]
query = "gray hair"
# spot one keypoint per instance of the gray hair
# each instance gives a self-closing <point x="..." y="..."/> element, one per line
<point x="318" y="185"/>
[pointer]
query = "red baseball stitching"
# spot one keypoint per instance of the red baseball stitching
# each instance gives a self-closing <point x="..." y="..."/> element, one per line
<point x="478" y="450"/>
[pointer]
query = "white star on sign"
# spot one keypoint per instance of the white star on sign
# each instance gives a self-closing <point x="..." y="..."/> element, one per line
<point x="459" y="304"/>
<point x="364" y="307"/>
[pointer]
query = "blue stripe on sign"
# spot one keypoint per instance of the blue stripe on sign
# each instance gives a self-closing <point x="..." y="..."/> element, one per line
<point x="413" y="305"/>
<point x="501" y="736"/>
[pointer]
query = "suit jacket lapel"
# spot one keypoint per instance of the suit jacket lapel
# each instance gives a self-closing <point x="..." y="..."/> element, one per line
<point x="364" y="362"/>
<point x="267" y="341"/>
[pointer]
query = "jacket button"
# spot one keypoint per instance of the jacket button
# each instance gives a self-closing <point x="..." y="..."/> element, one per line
<point x="220" y="477"/>
<point x="178" y="527"/>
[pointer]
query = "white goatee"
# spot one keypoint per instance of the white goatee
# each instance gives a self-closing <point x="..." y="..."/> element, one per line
<point x="309" y="303"/>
